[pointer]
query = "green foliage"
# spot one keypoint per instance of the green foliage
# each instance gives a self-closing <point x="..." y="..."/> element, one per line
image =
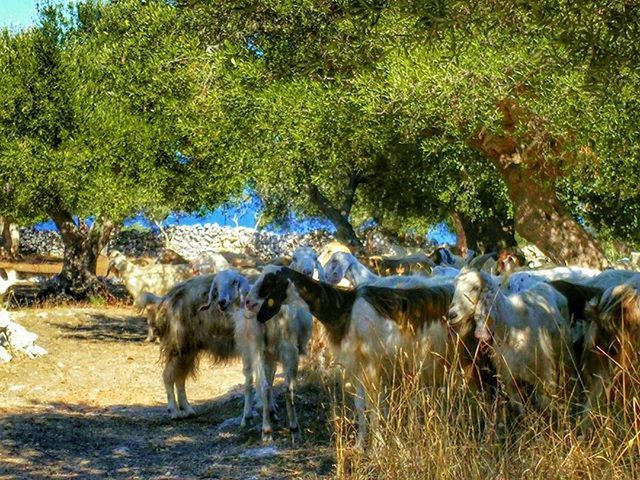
<point x="116" y="107"/>
<point x="95" y="104"/>
<point x="400" y="92"/>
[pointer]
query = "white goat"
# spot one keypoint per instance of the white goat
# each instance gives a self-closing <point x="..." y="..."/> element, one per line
<point x="370" y="328"/>
<point x="611" y="278"/>
<point x="305" y="261"/>
<point x="524" y="279"/>
<point x="263" y="346"/>
<point x="529" y="332"/>
<point x="345" y="265"/>
<point x="156" y="279"/>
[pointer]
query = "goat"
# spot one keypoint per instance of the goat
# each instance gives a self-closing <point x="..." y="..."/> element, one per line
<point x="187" y="327"/>
<point x="443" y="256"/>
<point x="529" y="332"/>
<point x="578" y="297"/>
<point x="305" y="261"/>
<point x="509" y="260"/>
<point x="170" y="257"/>
<point x="210" y="262"/>
<point x="329" y="249"/>
<point x="401" y="265"/>
<point x="479" y="261"/>
<point x="345" y="265"/>
<point x="611" y="342"/>
<point x="611" y="278"/>
<point x="155" y="279"/>
<point x="262" y="346"/>
<point x="443" y="271"/>
<point x="8" y="278"/>
<point x="525" y="279"/>
<point x="369" y="328"/>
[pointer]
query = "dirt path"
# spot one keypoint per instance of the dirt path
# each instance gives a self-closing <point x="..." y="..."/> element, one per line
<point x="95" y="408"/>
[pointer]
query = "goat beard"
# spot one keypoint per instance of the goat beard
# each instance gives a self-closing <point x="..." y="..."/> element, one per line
<point x="483" y="333"/>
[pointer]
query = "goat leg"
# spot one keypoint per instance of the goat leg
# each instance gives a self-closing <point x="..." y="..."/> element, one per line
<point x="247" y="369"/>
<point x="185" y="408"/>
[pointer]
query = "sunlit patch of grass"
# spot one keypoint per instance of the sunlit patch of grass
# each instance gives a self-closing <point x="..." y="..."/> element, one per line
<point x="456" y="432"/>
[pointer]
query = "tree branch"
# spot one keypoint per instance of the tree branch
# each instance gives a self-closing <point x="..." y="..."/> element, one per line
<point x="350" y="193"/>
<point x="322" y="202"/>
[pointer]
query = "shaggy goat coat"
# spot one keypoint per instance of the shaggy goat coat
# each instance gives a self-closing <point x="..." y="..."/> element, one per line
<point x="529" y="332"/>
<point x="186" y="332"/>
<point x="611" y="342"/>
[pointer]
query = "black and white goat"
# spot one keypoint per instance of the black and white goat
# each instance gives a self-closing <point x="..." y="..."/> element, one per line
<point x="262" y="346"/>
<point x="370" y="328"/>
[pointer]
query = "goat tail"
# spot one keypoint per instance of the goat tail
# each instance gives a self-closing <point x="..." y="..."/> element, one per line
<point x="147" y="298"/>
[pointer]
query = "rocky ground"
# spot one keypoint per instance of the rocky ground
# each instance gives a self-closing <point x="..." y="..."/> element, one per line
<point x="94" y="407"/>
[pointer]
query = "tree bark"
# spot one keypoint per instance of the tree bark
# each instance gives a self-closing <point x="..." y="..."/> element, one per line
<point x="82" y="246"/>
<point x="531" y="183"/>
<point x="339" y="218"/>
<point x="9" y="238"/>
<point x="461" y="233"/>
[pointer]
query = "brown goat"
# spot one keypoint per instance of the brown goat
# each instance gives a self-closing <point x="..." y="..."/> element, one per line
<point x="186" y="331"/>
<point x="372" y="329"/>
<point x="611" y="342"/>
<point x="402" y="265"/>
<point x="171" y="257"/>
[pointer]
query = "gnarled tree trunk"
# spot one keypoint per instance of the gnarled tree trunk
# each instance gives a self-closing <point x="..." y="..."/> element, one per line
<point x="339" y="217"/>
<point x="82" y="246"/>
<point x="543" y="220"/>
<point x="492" y="234"/>
<point x="531" y="183"/>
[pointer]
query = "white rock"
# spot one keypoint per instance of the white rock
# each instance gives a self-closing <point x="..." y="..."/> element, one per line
<point x="261" y="452"/>
<point x="5" y="356"/>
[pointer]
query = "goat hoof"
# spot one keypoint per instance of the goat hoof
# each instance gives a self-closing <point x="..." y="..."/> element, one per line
<point x="175" y="414"/>
<point x="188" y="412"/>
<point x="267" y="437"/>
<point x="246" y="421"/>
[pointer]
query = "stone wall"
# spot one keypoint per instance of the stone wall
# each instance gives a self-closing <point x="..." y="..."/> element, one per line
<point x="189" y="241"/>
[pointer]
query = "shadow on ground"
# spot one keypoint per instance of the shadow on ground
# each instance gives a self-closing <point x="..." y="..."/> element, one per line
<point x="138" y="441"/>
<point x="110" y="327"/>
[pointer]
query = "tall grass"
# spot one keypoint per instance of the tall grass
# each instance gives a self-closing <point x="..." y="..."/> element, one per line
<point x="454" y="432"/>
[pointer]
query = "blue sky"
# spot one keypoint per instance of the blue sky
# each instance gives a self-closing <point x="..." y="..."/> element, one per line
<point x="17" y="14"/>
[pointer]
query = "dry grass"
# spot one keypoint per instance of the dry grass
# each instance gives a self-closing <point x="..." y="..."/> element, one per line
<point x="456" y="433"/>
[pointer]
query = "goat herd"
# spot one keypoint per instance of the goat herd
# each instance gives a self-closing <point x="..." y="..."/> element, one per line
<point x="547" y="331"/>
